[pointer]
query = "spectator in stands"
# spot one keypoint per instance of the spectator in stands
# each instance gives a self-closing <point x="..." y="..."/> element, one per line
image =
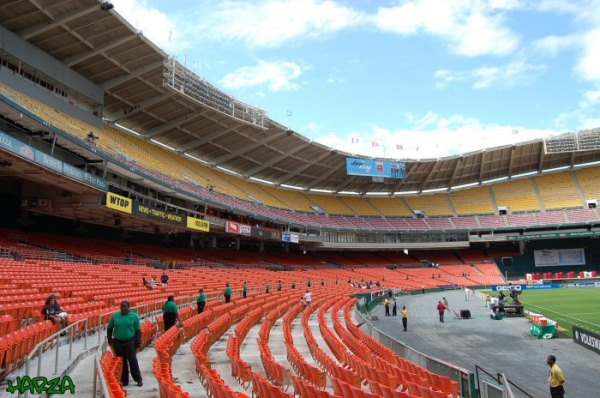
<point x="227" y="293"/>
<point x="293" y="285"/>
<point x="441" y="309"/>
<point x="279" y="286"/>
<point x="404" y="317"/>
<point x="164" y="278"/>
<point x="395" y="308"/>
<point x="54" y="313"/>
<point x="245" y="290"/>
<point x="322" y="282"/>
<point x="201" y="301"/>
<point x="125" y="336"/>
<point x="170" y="313"/>
<point x="307" y="298"/>
<point x="336" y="280"/>
<point x="267" y="287"/>
<point x="91" y="138"/>
<point x="556" y="378"/>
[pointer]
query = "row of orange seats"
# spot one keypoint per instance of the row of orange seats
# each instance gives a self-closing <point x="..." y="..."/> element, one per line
<point x="431" y="381"/>
<point x="111" y="369"/>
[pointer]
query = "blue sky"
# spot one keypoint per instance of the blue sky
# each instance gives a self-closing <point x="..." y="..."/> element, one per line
<point x="400" y="79"/>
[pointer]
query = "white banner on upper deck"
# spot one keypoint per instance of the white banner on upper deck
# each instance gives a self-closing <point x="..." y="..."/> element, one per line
<point x="559" y="257"/>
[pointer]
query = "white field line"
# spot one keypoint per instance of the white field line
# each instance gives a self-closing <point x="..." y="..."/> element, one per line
<point x="563" y="315"/>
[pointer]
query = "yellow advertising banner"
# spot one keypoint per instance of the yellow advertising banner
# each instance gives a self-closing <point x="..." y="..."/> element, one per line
<point x="198" y="224"/>
<point x="118" y="202"/>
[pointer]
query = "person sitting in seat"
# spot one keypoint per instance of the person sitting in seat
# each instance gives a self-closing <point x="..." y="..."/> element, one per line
<point x="164" y="279"/>
<point x="53" y="312"/>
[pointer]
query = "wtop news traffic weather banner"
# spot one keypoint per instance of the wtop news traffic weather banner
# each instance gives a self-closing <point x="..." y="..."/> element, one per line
<point x="375" y="168"/>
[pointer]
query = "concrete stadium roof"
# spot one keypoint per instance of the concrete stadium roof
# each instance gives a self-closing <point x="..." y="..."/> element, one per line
<point x="103" y="47"/>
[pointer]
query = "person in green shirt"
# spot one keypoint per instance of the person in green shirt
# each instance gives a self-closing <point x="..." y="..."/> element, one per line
<point x="201" y="301"/>
<point x="322" y="282"/>
<point x="309" y="283"/>
<point x="170" y="313"/>
<point x="124" y="335"/>
<point x="279" y="286"/>
<point x="267" y="287"/>
<point x="227" y="293"/>
<point x="293" y="285"/>
<point x="245" y="290"/>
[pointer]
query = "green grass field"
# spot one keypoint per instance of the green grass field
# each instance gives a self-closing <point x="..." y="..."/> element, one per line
<point x="566" y="306"/>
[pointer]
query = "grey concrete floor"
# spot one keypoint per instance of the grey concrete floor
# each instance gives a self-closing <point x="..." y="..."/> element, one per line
<point x="497" y="346"/>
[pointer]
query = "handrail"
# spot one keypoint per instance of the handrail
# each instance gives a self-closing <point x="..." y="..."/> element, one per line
<point x="99" y="372"/>
<point x="38" y="349"/>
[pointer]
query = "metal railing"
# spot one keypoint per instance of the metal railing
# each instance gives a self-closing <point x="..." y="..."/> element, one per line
<point x="462" y="376"/>
<point x="72" y="331"/>
<point x="492" y="386"/>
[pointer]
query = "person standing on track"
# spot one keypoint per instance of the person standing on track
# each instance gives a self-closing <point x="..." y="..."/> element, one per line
<point x="404" y="317"/>
<point x="441" y="309"/>
<point x="556" y="378"/>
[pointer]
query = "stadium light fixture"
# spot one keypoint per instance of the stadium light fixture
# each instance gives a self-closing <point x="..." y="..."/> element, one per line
<point x="471" y="184"/>
<point x="195" y="158"/>
<point x="161" y="144"/>
<point x="321" y="190"/>
<point x="406" y="193"/>
<point x="555" y="169"/>
<point x="596" y="163"/>
<point x="434" y="190"/>
<point x="495" y="180"/>
<point x="348" y="193"/>
<point x="529" y="173"/>
<point x="263" y="181"/>
<point x="228" y="171"/>
<point x="377" y="193"/>
<point x="292" y="187"/>
<point x="127" y="129"/>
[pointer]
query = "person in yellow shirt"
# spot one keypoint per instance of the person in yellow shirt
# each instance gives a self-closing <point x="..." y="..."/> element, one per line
<point x="404" y="313"/>
<point x="556" y="378"/>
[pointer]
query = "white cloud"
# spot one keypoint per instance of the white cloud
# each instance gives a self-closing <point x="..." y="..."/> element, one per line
<point x="552" y="45"/>
<point x="157" y="26"/>
<point x="516" y="73"/>
<point x="277" y="76"/>
<point x="271" y="23"/>
<point x="431" y="136"/>
<point x="585" y="116"/>
<point x="588" y="65"/>
<point x="472" y="27"/>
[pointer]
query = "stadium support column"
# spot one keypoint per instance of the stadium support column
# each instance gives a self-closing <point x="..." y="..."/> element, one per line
<point x="237" y="244"/>
<point x="522" y="247"/>
<point x="261" y="246"/>
<point x="213" y="242"/>
<point x="286" y="247"/>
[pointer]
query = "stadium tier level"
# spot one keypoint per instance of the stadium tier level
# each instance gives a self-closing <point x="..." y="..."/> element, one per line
<point x="149" y="218"/>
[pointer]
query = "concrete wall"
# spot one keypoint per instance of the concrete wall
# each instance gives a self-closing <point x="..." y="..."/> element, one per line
<point x="47" y="64"/>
